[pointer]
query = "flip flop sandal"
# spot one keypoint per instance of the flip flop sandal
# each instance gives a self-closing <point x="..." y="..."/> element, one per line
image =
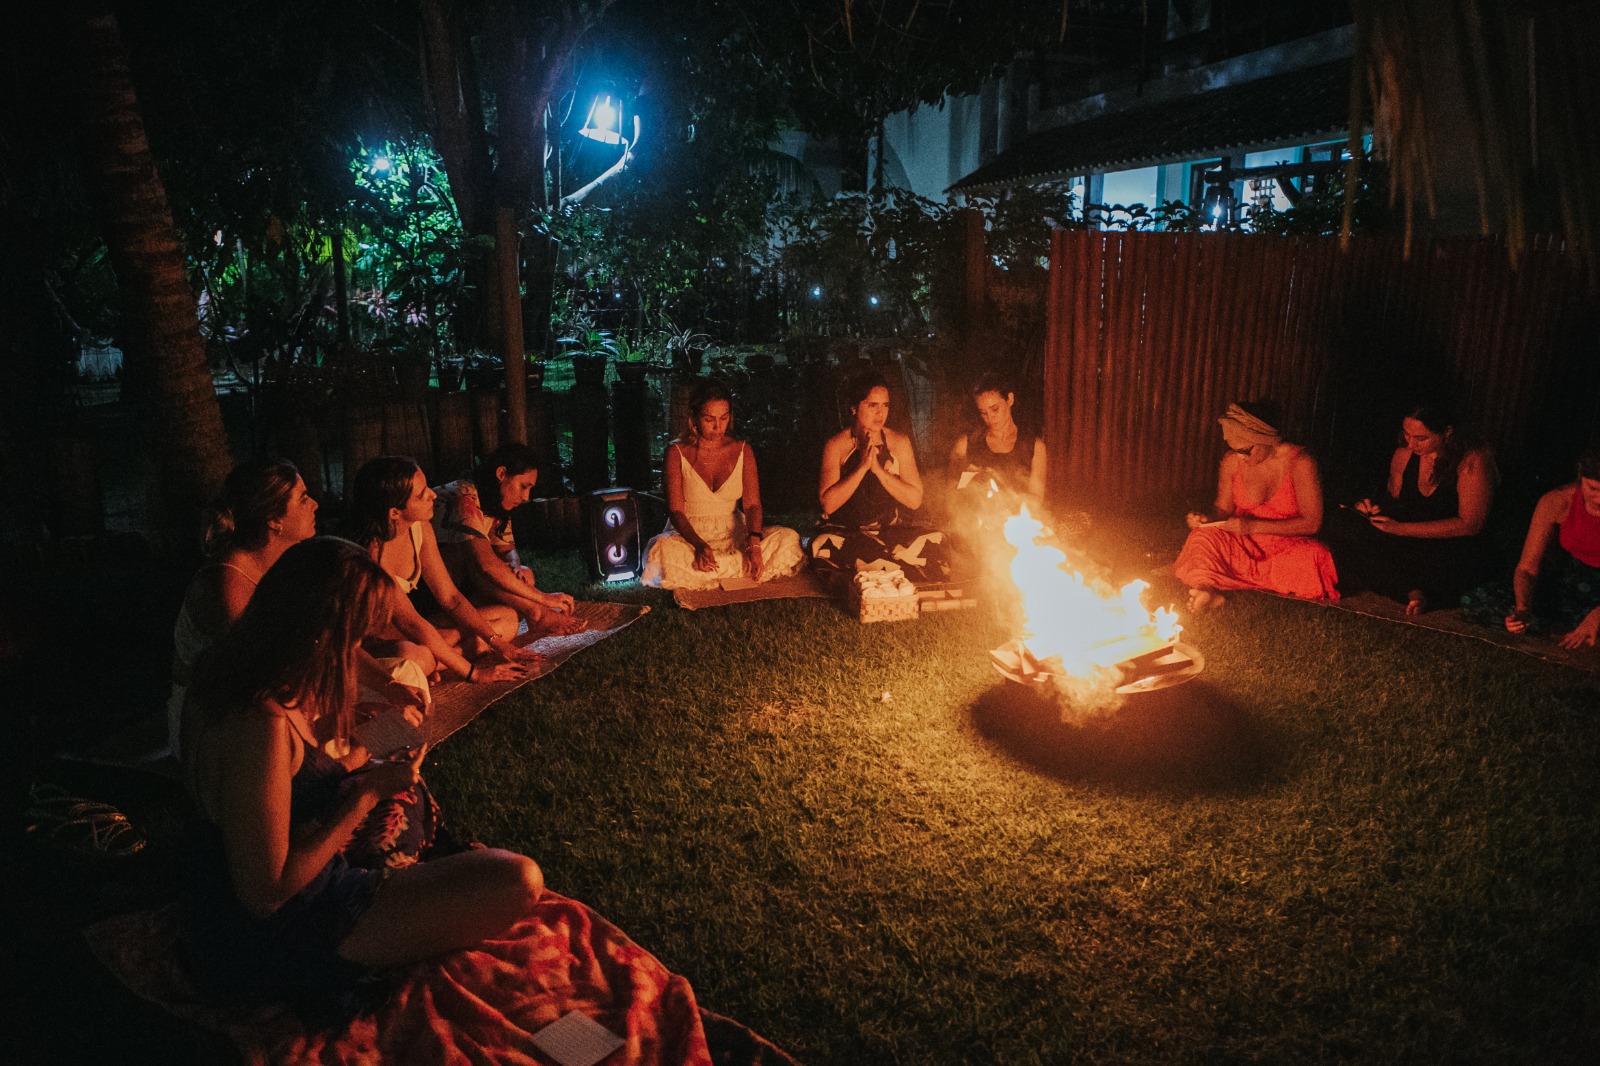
<point x="83" y="826"/>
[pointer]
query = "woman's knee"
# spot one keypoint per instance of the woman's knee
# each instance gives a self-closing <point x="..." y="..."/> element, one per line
<point x="516" y="878"/>
<point x="418" y="654"/>
<point x="503" y="620"/>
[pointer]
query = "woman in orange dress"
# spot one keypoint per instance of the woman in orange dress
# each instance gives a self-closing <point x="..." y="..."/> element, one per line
<point x="1260" y="532"/>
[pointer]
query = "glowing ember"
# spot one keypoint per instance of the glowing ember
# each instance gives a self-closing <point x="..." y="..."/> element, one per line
<point x="1080" y="632"/>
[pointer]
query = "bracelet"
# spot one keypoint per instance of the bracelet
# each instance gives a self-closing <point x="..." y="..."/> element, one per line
<point x="471" y="669"/>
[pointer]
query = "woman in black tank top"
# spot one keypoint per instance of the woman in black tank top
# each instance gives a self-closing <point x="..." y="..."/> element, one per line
<point x="999" y="451"/>
<point x="1421" y="540"/>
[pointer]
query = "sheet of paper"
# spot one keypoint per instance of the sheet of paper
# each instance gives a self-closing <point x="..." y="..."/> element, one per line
<point x="966" y="479"/>
<point x="734" y="584"/>
<point x="388" y="732"/>
<point x="576" y="1039"/>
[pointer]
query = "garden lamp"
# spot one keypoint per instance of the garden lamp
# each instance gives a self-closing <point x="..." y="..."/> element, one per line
<point x="604" y="123"/>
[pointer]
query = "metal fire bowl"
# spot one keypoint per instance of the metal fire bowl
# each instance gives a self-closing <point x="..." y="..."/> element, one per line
<point x="1168" y="665"/>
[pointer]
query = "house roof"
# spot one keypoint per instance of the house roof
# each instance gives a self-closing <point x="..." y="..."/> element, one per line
<point x="1298" y="107"/>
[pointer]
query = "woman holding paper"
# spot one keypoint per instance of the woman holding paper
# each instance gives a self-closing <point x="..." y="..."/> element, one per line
<point x="715" y="530"/>
<point x="999" y="451"/>
<point x="272" y="907"/>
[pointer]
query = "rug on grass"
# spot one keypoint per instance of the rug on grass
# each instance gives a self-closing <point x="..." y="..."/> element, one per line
<point x="802" y="586"/>
<point x="1449" y="620"/>
<point x="482" y="1005"/>
<point x="455" y="703"/>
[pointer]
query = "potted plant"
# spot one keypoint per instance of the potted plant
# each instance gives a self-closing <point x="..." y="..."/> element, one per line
<point x="412" y="370"/>
<point x="484" y="372"/>
<point x="633" y="360"/>
<point x="687" y="348"/>
<point x="450" y="370"/>
<point x="589" y="348"/>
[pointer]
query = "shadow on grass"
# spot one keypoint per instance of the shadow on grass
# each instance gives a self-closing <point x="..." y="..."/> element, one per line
<point x="1186" y="740"/>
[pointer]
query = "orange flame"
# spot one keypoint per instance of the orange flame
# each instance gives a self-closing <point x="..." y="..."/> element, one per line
<point x="1083" y="623"/>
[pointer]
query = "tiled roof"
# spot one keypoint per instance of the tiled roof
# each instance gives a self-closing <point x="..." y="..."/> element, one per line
<point x="1302" y="106"/>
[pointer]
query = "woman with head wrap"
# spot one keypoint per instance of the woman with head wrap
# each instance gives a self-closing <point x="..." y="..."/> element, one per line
<point x="1259" y="534"/>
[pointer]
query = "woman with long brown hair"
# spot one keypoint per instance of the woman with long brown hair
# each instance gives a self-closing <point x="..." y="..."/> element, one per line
<point x="393" y="509"/>
<point x="263" y="510"/>
<point x="272" y="906"/>
<point x="716" y="528"/>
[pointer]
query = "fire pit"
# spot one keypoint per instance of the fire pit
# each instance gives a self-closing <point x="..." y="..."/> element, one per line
<point x="1170" y="664"/>
<point x="1081" y="635"/>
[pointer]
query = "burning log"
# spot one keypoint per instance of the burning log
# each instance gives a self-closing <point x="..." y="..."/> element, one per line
<point x="1170" y="664"/>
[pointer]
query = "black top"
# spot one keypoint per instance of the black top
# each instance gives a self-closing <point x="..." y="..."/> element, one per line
<point x="1010" y="470"/>
<point x="871" y="504"/>
<point x="1412" y="506"/>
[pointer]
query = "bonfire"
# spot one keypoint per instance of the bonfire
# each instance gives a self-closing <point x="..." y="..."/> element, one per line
<point x="1093" y="643"/>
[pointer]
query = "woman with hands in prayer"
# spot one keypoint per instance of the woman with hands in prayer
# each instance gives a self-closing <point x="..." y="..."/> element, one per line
<point x="868" y="487"/>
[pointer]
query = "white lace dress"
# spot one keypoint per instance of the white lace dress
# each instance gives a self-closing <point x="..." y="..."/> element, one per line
<point x="718" y="519"/>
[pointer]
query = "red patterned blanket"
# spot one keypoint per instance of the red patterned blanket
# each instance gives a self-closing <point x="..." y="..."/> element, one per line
<point x="476" y="1006"/>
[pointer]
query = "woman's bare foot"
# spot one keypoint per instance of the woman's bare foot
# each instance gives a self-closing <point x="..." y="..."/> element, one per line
<point x="1203" y="600"/>
<point x="1416" y="603"/>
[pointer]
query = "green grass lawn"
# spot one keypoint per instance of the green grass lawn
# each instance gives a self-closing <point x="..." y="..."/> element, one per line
<point x="1347" y="841"/>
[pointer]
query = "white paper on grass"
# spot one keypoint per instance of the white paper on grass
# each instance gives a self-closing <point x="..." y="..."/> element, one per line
<point x="576" y="1039"/>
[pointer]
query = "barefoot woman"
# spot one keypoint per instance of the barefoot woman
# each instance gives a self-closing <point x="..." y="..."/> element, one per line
<point x="1259" y="534"/>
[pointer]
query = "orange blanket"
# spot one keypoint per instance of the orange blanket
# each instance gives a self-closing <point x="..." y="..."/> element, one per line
<point x="476" y="1006"/>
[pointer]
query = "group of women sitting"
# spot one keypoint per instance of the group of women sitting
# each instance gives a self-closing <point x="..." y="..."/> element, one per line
<point x="1419" y="541"/>
<point x="307" y="870"/>
<point x="869" y="488"/>
<point x="307" y="867"/>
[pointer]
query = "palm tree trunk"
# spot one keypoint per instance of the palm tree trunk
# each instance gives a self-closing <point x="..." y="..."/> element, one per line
<point x="160" y="323"/>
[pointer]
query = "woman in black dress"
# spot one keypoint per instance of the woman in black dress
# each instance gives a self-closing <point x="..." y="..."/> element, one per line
<point x="1421" y="540"/>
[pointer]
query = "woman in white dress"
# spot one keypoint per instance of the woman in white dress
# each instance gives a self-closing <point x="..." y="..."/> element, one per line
<point x="715" y="531"/>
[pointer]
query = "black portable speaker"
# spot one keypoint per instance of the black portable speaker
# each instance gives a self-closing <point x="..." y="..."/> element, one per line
<point x="614" y="553"/>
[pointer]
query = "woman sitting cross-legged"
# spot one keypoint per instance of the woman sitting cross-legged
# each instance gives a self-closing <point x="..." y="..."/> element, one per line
<point x="1557" y="580"/>
<point x="272" y="908"/>
<point x="472" y="522"/>
<point x="998" y="451"/>
<point x="262" y="511"/>
<point x="869" y="484"/>
<point x="1421" y="541"/>
<point x="393" y="510"/>
<point x="1259" y="534"/>
<point x="716" y="529"/>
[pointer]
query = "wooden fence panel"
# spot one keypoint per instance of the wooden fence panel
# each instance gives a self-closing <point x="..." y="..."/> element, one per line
<point x="1150" y="335"/>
